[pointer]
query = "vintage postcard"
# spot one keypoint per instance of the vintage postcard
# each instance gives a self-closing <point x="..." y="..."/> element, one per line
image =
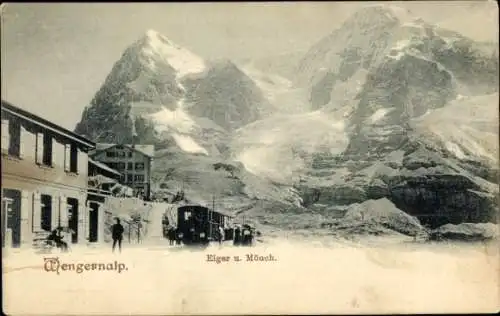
<point x="250" y="158"/>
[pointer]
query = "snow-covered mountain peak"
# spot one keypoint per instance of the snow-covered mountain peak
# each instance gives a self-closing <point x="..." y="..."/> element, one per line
<point x="156" y="48"/>
<point x="152" y="34"/>
<point x="377" y="14"/>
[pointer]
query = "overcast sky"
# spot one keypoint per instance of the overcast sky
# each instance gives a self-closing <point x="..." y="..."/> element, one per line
<point x="55" y="56"/>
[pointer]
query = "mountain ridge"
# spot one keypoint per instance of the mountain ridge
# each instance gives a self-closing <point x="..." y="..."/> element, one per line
<point x="377" y="124"/>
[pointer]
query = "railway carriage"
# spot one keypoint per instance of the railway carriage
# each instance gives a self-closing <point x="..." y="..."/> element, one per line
<point x="198" y="225"/>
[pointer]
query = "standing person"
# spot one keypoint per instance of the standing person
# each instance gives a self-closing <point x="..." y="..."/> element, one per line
<point x="178" y="236"/>
<point x="171" y="236"/>
<point x="221" y="235"/>
<point x="117" y="234"/>
<point x="237" y="236"/>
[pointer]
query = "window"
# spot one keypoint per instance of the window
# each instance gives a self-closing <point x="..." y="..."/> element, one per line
<point x="139" y="177"/>
<point x="39" y="148"/>
<point x="73" y="218"/>
<point x="110" y="154"/>
<point x="139" y="166"/>
<point x="120" y="166"/>
<point x="130" y="154"/>
<point x="15" y="138"/>
<point x="121" y="154"/>
<point x="11" y="215"/>
<point x="130" y="166"/>
<point x="73" y="159"/>
<point x="44" y="149"/>
<point x="5" y="135"/>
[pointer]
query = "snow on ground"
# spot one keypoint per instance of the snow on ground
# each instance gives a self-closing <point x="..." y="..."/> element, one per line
<point x="155" y="227"/>
<point x="401" y="44"/>
<point x="379" y="114"/>
<point x="307" y="277"/>
<point x="181" y="59"/>
<point x="455" y="149"/>
<point x="177" y="120"/>
<point x="187" y="144"/>
<point x="382" y="212"/>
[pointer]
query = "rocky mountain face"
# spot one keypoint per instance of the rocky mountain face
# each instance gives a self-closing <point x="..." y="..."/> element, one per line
<point x="226" y="95"/>
<point x="156" y="79"/>
<point x="188" y="107"/>
<point x="412" y="138"/>
<point x="380" y="38"/>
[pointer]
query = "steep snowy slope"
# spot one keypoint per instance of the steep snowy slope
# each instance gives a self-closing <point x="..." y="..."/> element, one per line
<point x="279" y="147"/>
<point x="283" y="96"/>
<point x="468" y="128"/>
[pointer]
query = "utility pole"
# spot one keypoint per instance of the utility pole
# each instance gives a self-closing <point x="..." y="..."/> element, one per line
<point x="138" y="233"/>
<point x="129" y="232"/>
<point x="134" y="136"/>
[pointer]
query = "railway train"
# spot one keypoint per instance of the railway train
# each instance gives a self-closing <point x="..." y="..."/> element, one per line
<point x="199" y="225"/>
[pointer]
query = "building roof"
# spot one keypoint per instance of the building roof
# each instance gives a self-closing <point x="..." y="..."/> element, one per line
<point x="104" y="167"/>
<point x="14" y="110"/>
<point x="148" y="150"/>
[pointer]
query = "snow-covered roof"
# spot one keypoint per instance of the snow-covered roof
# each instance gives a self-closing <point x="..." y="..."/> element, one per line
<point x="37" y="120"/>
<point x="104" y="166"/>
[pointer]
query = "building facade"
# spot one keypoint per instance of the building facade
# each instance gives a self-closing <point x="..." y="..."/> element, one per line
<point x="134" y="162"/>
<point x="44" y="178"/>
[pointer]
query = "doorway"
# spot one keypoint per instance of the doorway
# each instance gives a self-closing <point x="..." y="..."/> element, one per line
<point x="93" y="222"/>
<point x="73" y="218"/>
<point x="11" y="218"/>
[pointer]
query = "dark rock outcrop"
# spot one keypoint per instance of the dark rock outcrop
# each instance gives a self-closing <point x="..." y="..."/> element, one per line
<point x="466" y="232"/>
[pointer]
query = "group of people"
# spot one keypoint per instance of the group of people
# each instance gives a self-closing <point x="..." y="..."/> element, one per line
<point x="242" y="236"/>
<point x="174" y="236"/>
<point x="57" y="236"/>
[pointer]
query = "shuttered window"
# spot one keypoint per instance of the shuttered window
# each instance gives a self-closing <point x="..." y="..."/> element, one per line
<point x="47" y="150"/>
<point x="37" y="213"/>
<point x="5" y="135"/>
<point x="54" y="157"/>
<point x="67" y="157"/>
<point x="39" y="148"/>
<point x="63" y="209"/>
<point x="22" y="134"/>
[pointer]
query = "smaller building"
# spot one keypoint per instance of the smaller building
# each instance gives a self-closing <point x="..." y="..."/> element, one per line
<point x="134" y="162"/>
<point x="44" y="178"/>
<point x="103" y="178"/>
